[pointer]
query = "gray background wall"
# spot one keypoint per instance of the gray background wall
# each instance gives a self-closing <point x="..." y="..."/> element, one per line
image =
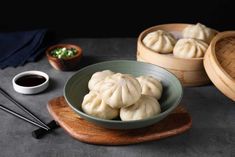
<point x="113" y="18"/>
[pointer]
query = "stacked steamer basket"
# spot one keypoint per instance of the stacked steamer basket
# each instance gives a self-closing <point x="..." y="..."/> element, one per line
<point x="190" y="71"/>
<point x="219" y="62"/>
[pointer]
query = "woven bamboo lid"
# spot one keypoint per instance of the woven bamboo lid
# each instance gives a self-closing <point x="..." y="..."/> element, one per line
<point x="219" y="62"/>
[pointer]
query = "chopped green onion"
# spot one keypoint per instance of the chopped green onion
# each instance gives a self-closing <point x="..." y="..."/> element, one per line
<point x="63" y="52"/>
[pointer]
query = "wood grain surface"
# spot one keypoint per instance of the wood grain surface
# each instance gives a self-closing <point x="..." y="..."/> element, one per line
<point x="176" y="123"/>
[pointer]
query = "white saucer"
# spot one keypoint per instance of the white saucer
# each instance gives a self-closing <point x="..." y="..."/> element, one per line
<point x="30" y="89"/>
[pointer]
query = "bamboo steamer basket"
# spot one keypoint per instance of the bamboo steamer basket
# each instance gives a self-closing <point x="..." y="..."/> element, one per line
<point x="219" y="62"/>
<point x="190" y="72"/>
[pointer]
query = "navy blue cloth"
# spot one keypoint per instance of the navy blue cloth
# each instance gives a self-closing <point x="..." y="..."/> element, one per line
<point x="18" y="48"/>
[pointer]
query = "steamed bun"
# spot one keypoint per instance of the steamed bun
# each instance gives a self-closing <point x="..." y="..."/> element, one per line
<point x="120" y="90"/>
<point x="160" y="41"/>
<point x="97" y="79"/>
<point x="199" y="31"/>
<point x="145" y="107"/>
<point x="93" y="105"/>
<point x="190" y="48"/>
<point x="150" y="86"/>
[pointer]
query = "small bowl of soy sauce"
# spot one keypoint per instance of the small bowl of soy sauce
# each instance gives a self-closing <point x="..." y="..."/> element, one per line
<point x="30" y="82"/>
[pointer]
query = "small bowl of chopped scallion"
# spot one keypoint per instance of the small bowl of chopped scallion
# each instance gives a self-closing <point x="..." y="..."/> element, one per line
<point x="64" y="57"/>
<point x="63" y="52"/>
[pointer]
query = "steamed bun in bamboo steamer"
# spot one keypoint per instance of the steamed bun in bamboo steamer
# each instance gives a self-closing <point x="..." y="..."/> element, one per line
<point x="160" y="41"/>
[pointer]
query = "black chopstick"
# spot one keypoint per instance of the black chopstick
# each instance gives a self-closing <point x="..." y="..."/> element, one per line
<point x="23" y="108"/>
<point x="21" y="117"/>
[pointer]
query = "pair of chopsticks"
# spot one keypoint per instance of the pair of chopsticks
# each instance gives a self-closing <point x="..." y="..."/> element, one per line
<point x="45" y="128"/>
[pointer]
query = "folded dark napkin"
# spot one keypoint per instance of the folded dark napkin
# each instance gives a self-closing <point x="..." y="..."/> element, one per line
<point x="17" y="48"/>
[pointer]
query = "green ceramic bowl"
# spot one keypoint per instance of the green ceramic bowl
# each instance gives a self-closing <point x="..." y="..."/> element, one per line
<point x="77" y="87"/>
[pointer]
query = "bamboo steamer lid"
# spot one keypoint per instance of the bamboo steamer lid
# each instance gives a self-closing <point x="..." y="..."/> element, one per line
<point x="219" y="62"/>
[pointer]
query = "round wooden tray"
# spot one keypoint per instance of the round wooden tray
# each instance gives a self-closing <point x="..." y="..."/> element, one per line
<point x="190" y="72"/>
<point x="219" y="62"/>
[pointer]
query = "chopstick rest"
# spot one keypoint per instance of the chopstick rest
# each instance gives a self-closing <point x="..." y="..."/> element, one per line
<point x="45" y="128"/>
<point x="39" y="133"/>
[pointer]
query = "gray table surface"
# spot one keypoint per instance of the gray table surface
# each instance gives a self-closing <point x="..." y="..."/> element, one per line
<point x="213" y="115"/>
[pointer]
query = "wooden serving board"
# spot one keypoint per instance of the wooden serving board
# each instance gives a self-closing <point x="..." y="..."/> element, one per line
<point x="176" y="123"/>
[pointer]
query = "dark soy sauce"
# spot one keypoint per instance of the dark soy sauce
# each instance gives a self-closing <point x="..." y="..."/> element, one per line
<point x="30" y="80"/>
